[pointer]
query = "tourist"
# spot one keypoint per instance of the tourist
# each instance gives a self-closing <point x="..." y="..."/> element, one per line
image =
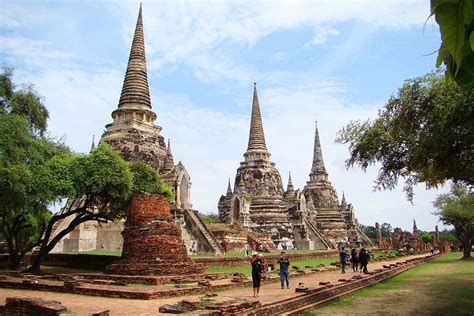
<point x="343" y="259"/>
<point x="246" y="249"/>
<point x="354" y="260"/>
<point x="364" y="260"/>
<point x="284" y="275"/>
<point x="257" y="270"/>
<point x="254" y="249"/>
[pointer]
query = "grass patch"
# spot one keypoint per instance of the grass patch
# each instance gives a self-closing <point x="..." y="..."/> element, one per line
<point x="247" y="269"/>
<point x="441" y="286"/>
<point x="97" y="252"/>
<point x="314" y="262"/>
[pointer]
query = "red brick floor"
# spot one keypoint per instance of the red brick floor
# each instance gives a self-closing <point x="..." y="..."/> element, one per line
<point x="83" y="305"/>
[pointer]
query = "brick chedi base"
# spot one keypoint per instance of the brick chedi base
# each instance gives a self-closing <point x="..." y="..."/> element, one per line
<point x="152" y="243"/>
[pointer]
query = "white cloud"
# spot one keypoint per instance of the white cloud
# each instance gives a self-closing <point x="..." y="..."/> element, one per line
<point x="207" y="38"/>
<point x="321" y="35"/>
<point x="207" y="35"/>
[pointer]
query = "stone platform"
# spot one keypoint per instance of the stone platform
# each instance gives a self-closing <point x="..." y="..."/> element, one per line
<point x="273" y="300"/>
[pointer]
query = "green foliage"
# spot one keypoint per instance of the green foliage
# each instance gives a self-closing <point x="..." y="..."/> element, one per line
<point x="146" y="179"/>
<point x="386" y="229"/>
<point x="425" y="236"/>
<point x="369" y="231"/>
<point x="25" y="102"/>
<point x="209" y="218"/>
<point x="448" y="235"/>
<point x="457" y="208"/>
<point x="425" y="133"/>
<point x="456" y="22"/>
<point x="24" y="154"/>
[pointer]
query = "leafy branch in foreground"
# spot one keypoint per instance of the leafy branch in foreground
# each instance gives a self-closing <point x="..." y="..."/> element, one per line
<point x="424" y="134"/>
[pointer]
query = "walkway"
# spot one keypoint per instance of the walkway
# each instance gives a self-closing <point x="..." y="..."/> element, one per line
<point x="443" y="286"/>
<point x="83" y="305"/>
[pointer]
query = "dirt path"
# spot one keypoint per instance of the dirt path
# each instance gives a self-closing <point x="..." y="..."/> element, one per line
<point x="83" y="305"/>
<point x="444" y="286"/>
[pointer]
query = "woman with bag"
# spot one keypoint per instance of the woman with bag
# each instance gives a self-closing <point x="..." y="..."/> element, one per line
<point x="258" y="268"/>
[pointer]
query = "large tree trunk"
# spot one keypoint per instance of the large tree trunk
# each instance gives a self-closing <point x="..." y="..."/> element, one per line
<point x="466" y="245"/>
<point x="48" y="243"/>
<point x="13" y="261"/>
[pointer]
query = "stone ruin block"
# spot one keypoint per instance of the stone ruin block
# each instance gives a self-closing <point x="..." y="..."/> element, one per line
<point x="152" y="243"/>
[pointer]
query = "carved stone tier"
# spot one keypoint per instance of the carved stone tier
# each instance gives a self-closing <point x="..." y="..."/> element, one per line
<point x="152" y="243"/>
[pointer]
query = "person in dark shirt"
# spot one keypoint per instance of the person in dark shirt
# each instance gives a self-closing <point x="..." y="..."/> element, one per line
<point x="284" y="275"/>
<point x="364" y="260"/>
<point x="354" y="260"/>
<point x="343" y="259"/>
<point x="257" y="263"/>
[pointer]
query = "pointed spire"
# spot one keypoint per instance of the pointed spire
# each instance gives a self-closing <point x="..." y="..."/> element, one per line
<point x="415" y="229"/>
<point x="229" y="189"/>
<point x="318" y="170"/>
<point x="256" y="137"/>
<point x="135" y="90"/>
<point x="290" y="189"/>
<point x="93" y="143"/>
<point x="290" y="182"/>
<point x="169" y="160"/>
<point x="318" y="162"/>
<point x="343" y="201"/>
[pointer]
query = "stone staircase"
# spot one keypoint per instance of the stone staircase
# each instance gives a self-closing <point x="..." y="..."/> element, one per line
<point x="314" y="231"/>
<point x="210" y="238"/>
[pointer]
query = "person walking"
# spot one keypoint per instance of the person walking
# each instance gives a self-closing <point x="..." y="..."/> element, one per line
<point x="364" y="260"/>
<point x="354" y="260"/>
<point x="258" y="267"/>
<point x="343" y="259"/>
<point x="246" y="249"/>
<point x="284" y="275"/>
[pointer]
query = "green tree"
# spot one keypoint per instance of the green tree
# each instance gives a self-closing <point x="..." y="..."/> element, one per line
<point x="99" y="187"/>
<point x="425" y="236"/>
<point x="209" y="218"/>
<point x="448" y="235"/>
<point x="425" y="133"/>
<point x="369" y="231"/>
<point x="26" y="102"/>
<point x="457" y="208"/>
<point x="456" y="23"/>
<point x="386" y="229"/>
<point x="23" y="151"/>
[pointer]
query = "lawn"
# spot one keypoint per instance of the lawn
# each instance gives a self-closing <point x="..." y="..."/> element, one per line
<point x="444" y="286"/>
<point x="97" y="252"/>
<point x="246" y="269"/>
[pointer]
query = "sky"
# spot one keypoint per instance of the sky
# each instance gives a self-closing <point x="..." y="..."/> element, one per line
<point x="330" y="61"/>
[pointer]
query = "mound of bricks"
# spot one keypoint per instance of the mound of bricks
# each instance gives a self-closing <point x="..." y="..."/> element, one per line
<point x="152" y="243"/>
<point x="32" y="306"/>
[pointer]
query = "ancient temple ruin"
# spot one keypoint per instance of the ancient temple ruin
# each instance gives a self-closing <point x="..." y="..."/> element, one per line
<point x="311" y="218"/>
<point x="336" y="221"/>
<point x="134" y="134"/>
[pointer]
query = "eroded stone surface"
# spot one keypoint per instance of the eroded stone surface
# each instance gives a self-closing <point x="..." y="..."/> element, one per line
<point x="152" y="243"/>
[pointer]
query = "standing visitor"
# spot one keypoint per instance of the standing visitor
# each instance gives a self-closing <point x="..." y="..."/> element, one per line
<point x="284" y="275"/>
<point x="246" y="249"/>
<point x="254" y="248"/>
<point x="343" y="259"/>
<point x="354" y="260"/>
<point x="364" y="260"/>
<point x="257" y="270"/>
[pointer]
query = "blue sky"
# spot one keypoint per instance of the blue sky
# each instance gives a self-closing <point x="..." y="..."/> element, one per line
<point x="333" y="61"/>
